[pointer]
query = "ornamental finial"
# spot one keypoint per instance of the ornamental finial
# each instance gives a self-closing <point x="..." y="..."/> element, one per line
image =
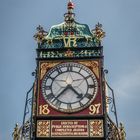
<point x="69" y="16"/>
<point x="70" y="5"/>
<point x="98" y="32"/>
<point x="40" y="35"/>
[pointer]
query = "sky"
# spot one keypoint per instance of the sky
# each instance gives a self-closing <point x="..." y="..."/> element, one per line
<point x="18" y="22"/>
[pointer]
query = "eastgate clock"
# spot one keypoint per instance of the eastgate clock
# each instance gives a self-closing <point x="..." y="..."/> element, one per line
<point x="69" y="87"/>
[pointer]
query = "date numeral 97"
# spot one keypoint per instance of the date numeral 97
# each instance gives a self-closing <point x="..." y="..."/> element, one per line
<point x="94" y="109"/>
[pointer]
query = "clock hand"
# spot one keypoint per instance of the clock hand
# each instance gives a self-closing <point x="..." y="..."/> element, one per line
<point x="77" y="80"/>
<point x="79" y="89"/>
<point x="69" y="87"/>
<point x="58" y="90"/>
<point x="62" y="92"/>
<point x="79" y="95"/>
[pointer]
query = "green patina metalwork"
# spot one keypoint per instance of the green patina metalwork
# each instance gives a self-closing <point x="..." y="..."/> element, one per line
<point x="69" y="35"/>
<point x="81" y="30"/>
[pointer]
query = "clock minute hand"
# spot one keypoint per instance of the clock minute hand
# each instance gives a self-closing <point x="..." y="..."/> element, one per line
<point x="62" y="92"/>
<point x="79" y="94"/>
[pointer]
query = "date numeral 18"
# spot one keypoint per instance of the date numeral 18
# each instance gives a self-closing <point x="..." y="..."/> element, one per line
<point x="44" y="110"/>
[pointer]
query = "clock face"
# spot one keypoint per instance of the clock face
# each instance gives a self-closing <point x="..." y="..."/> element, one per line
<point x="69" y="87"/>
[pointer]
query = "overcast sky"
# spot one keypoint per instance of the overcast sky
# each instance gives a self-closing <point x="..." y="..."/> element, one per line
<point x="18" y="22"/>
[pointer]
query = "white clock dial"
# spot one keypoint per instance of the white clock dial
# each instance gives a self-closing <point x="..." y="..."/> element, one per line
<point x="69" y="87"/>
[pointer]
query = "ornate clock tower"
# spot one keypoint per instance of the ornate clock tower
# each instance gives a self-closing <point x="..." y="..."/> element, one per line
<point x="69" y="94"/>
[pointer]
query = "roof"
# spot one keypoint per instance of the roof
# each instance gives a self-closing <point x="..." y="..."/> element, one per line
<point x="78" y="30"/>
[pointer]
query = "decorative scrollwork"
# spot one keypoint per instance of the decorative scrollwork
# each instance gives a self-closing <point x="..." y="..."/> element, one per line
<point x="23" y="132"/>
<point x="70" y="53"/>
<point x="26" y="130"/>
<point x="108" y="100"/>
<point x="114" y="132"/>
<point x="16" y="132"/>
<point x="43" y="127"/>
<point x="96" y="128"/>
<point x="122" y="132"/>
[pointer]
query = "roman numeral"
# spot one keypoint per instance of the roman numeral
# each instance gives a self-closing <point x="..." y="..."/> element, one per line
<point x="57" y="103"/>
<point x="49" y="77"/>
<point x="50" y="96"/>
<point x="69" y="68"/>
<point x="59" y="70"/>
<point x="91" y="86"/>
<point x="80" y="103"/>
<point x="69" y="106"/>
<point x="80" y="69"/>
<point x="47" y="87"/>
<point x="88" y="76"/>
<point x="89" y="96"/>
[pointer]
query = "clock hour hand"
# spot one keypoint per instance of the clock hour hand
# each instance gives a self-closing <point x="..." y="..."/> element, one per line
<point x="79" y="95"/>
